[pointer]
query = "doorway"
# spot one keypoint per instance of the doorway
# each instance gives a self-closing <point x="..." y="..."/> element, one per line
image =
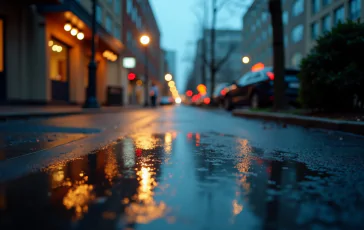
<point x="59" y="70"/>
<point x="2" y="63"/>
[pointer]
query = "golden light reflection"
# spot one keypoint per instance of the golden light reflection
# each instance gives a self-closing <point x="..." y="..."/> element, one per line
<point x="243" y="165"/>
<point x="145" y="141"/>
<point x="78" y="196"/>
<point x="237" y="208"/>
<point x="111" y="166"/>
<point x="168" y="143"/>
<point x="145" y="209"/>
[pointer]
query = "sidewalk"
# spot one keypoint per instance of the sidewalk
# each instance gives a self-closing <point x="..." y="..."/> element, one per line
<point x="355" y="127"/>
<point x="24" y="112"/>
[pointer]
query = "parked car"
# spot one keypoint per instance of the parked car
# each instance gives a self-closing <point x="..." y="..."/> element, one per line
<point x="219" y="94"/>
<point x="166" y="101"/>
<point x="255" y="88"/>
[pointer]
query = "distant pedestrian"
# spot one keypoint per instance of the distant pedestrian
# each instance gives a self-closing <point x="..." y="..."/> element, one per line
<point x="154" y="95"/>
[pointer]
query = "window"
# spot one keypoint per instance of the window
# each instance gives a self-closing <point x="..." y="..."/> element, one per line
<point x="264" y="16"/>
<point x="298" y="7"/>
<point x="296" y="60"/>
<point x="129" y="6"/>
<point x="285" y="17"/>
<point x="117" y="7"/>
<point x="117" y="33"/>
<point x="315" y="4"/>
<point x="58" y="61"/>
<point x="109" y="25"/>
<point x="355" y="9"/>
<point x="326" y="2"/>
<point x="314" y="31"/>
<point x="99" y="15"/>
<point x="326" y="23"/>
<point x="1" y="45"/>
<point x="297" y="33"/>
<point x="339" y="14"/>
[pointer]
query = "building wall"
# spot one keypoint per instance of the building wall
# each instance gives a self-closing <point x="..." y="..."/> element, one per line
<point x="25" y="54"/>
<point x="324" y="10"/>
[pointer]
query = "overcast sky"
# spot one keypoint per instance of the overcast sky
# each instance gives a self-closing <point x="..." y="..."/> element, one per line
<point x="180" y="29"/>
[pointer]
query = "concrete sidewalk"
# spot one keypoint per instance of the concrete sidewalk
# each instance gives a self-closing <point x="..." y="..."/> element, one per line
<point x="25" y="112"/>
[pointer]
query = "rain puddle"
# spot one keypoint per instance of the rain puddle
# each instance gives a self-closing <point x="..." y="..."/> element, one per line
<point x="178" y="181"/>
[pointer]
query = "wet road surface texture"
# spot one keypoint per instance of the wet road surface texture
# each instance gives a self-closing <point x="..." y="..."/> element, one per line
<point x="195" y="169"/>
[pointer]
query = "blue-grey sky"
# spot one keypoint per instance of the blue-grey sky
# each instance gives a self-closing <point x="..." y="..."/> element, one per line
<point x="180" y="29"/>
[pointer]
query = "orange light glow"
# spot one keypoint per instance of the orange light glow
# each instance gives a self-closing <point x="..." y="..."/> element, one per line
<point x="207" y="100"/>
<point x="257" y="67"/>
<point x="201" y="88"/>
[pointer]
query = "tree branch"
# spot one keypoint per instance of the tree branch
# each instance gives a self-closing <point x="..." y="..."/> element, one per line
<point x="225" y="58"/>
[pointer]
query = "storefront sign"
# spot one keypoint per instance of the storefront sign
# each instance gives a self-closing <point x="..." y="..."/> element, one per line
<point x="129" y="62"/>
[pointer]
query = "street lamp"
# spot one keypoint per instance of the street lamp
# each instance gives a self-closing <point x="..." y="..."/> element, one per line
<point x="168" y="77"/>
<point x="245" y="60"/>
<point x="91" y="100"/>
<point x="145" y="40"/>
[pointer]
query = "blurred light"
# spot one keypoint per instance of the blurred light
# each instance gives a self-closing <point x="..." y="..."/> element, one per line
<point x="201" y="88"/>
<point x="80" y="36"/>
<point x="270" y="75"/>
<point x="257" y="67"/>
<point x="223" y="92"/>
<point x="144" y="40"/>
<point x="131" y="76"/>
<point x="57" y="48"/>
<point x="189" y="93"/>
<point x="109" y="55"/>
<point x="129" y="62"/>
<point x="168" y="77"/>
<point x="207" y="100"/>
<point x="234" y="87"/>
<point x="171" y="84"/>
<point x="67" y="27"/>
<point x="74" y="31"/>
<point x="178" y="100"/>
<point x="50" y="43"/>
<point x="139" y="82"/>
<point x="245" y="60"/>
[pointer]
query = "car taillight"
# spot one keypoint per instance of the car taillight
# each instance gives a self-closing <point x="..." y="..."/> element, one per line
<point x="223" y="92"/>
<point x="206" y="100"/>
<point x="270" y="76"/>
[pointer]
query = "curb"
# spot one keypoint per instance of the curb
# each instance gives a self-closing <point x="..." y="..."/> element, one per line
<point x="308" y="122"/>
<point x="29" y="115"/>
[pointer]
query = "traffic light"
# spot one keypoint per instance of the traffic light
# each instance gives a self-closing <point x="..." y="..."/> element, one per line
<point x="131" y="76"/>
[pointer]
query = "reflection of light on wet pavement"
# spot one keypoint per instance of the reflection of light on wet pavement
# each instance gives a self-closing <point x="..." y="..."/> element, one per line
<point x="78" y="197"/>
<point x="145" y="208"/>
<point x="128" y="153"/>
<point x="198" y="138"/>
<point x="243" y="163"/>
<point x="145" y="141"/>
<point x="168" y="143"/>
<point x="111" y="166"/>
<point x="237" y="208"/>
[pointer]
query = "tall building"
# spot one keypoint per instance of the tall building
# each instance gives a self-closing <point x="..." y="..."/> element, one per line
<point x="227" y="47"/>
<point x="257" y="33"/>
<point x="304" y="21"/>
<point x="45" y="48"/>
<point x="171" y="58"/>
<point x="322" y="15"/>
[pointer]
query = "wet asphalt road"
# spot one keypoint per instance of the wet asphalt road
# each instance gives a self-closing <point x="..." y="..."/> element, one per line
<point x="178" y="168"/>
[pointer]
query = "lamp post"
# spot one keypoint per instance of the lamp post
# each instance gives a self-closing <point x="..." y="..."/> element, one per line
<point x="145" y="40"/>
<point x="91" y="100"/>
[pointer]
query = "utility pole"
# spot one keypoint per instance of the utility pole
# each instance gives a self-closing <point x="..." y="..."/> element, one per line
<point x="204" y="50"/>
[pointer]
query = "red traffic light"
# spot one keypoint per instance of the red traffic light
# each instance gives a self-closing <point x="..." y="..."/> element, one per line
<point x="131" y="76"/>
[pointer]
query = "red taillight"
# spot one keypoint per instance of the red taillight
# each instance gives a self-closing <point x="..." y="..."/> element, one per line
<point x="206" y="100"/>
<point x="271" y="98"/>
<point x="270" y="76"/>
<point x="194" y="98"/>
<point x="223" y="92"/>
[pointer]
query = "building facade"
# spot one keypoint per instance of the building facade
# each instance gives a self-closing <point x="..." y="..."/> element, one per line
<point x="257" y="33"/>
<point x="45" y="49"/>
<point x="227" y="45"/>
<point x="304" y="21"/>
<point x="138" y="19"/>
<point x="322" y="15"/>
